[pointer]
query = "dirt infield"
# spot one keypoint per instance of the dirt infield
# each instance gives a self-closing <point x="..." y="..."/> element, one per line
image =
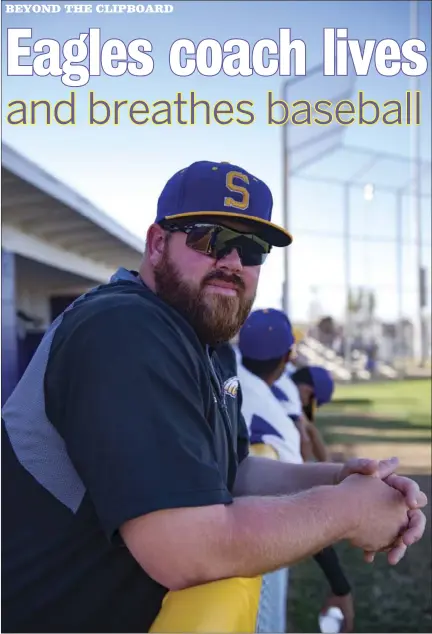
<point x="415" y="458"/>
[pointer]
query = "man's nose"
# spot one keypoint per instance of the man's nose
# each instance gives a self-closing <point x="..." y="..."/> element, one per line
<point x="231" y="261"/>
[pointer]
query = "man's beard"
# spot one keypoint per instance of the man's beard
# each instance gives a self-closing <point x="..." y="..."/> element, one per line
<point x="216" y="318"/>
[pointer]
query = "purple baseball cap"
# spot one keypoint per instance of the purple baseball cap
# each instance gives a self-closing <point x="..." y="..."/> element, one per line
<point x="205" y="188"/>
<point x="323" y="384"/>
<point x="266" y="334"/>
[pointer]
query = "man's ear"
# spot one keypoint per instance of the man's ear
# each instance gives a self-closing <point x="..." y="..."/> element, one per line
<point x="155" y="243"/>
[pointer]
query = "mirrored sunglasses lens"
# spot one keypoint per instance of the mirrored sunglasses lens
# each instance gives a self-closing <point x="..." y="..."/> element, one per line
<point x="200" y="238"/>
<point x="220" y="241"/>
<point x="251" y="252"/>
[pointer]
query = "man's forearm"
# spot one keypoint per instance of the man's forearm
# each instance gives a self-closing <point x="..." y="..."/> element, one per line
<point x="252" y="536"/>
<point x="261" y="476"/>
<point x="283" y="531"/>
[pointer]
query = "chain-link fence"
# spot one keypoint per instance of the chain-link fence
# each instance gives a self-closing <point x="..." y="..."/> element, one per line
<point x="362" y="225"/>
<point x="357" y="256"/>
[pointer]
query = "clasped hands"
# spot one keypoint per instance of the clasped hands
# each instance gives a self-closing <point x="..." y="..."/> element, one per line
<point x="414" y="498"/>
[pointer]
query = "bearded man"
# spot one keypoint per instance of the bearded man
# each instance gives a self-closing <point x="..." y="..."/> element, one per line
<point x="125" y="456"/>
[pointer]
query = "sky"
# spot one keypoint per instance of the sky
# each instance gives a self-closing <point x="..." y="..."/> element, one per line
<point x="122" y="168"/>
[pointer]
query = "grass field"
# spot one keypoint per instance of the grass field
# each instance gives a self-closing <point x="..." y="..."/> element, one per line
<point x="376" y="420"/>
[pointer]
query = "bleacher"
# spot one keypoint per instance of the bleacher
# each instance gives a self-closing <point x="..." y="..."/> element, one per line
<point x="315" y="353"/>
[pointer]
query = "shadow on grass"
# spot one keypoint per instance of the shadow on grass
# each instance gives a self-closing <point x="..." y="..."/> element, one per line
<point x="367" y="403"/>
<point x="352" y="402"/>
<point x="350" y="430"/>
<point x="326" y="422"/>
<point x="349" y="437"/>
<point x="345" y="439"/>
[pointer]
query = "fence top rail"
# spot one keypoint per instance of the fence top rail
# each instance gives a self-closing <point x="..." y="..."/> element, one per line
<point x="366" y="168"/>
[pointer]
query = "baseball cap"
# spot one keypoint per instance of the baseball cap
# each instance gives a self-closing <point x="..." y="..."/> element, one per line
<point x="205" y="188"/>
<point x="266" y="334"/>
<point x="323" y="384"/>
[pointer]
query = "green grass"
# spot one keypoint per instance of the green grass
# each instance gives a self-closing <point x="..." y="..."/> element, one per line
<point x="394" y="417"/>
<point x="387" y="599"/>
<point x="395" y="412"/>
<point x="401" y="400"/>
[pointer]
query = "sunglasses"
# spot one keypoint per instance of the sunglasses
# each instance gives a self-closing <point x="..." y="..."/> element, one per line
<point x="217" y="242"/>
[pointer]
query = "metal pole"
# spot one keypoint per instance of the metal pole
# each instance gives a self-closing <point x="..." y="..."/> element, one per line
<point x="400" y="339"/>
<point x="285" y="210"/>
<point x="285" y="184"/>
<point x="416" y="195"/>
<point x="346" y="234"/>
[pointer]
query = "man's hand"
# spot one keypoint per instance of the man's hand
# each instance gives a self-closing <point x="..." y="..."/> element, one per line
<point x="346" y="606"/>
<point x="413" y="532"/>
<point x="414" y="498"/>
<point x="379" y="512"/>
<point x="385" y="470"/>
<point x="364" y="466"/>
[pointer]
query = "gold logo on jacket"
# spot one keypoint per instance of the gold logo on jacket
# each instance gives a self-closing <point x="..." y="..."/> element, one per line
<point x="231" y="386"/>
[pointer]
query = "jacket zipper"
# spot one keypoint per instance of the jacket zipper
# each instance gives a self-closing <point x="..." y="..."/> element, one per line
<point x="219" y="394"/>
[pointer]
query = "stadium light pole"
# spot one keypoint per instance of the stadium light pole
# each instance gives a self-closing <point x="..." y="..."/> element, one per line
<point x="399" y="274"/>
<point x="347" y="267"/>
<point x="285" y="184"/>
<point x="416" y="200"/>
<point x="368" y="195"/>
<point x="285" y="210"/>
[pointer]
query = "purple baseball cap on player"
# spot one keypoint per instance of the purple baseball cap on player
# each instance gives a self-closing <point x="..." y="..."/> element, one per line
<point x="266" y="334"/>
<point x="208" y="189"/>
<point x="323" y="384"/>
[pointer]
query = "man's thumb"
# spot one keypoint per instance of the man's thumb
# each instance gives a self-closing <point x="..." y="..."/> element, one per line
<point x="387" y="467"/>
<point x="367" y="467"/>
